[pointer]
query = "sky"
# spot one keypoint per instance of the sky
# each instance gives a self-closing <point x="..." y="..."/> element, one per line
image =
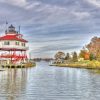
<point x="52" y="25"/>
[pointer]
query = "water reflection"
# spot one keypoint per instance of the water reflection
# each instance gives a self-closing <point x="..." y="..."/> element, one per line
<point x="13" y="83"/>
<point x="96" y="71"/>
<point x="49" y="83"/>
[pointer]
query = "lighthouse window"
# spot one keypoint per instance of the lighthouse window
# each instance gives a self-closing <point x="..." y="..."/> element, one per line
<point x="17" y="43"/>
<point x="6" y="43"/>
<point x="23" y="44"/>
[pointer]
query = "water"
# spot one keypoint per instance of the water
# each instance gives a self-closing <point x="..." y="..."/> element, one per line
<point x="49" y="83"/>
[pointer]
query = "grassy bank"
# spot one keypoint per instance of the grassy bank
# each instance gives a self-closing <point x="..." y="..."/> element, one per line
<point x="82" y="64"/>
<point x="30" y="64"/>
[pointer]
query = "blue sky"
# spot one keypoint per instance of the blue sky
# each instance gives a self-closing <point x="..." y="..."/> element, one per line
<point x="53" y="25"/>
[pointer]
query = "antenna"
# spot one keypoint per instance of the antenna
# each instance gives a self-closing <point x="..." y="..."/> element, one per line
<point x="19" y="29"/>
<point x="6" y="26"/>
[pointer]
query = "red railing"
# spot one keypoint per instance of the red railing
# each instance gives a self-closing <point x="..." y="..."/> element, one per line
<point x="14" y="57"/>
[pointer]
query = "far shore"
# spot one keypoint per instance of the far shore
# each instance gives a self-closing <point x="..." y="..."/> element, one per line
<point x="82" y="64"/>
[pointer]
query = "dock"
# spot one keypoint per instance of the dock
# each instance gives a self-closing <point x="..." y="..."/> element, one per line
<point x="24" y="65"/>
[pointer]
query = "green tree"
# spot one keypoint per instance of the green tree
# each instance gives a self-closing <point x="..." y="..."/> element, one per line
<point x="92" y="57"/>
<point x="74" y="57"/>
<point x="67" y="57"/>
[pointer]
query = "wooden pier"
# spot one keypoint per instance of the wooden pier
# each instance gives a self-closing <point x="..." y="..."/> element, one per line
<point x="25" y="65"/>
<point x="13" y="66"/>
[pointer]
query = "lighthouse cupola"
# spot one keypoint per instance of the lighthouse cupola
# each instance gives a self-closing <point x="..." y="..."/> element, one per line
<point x="11" y="30"/>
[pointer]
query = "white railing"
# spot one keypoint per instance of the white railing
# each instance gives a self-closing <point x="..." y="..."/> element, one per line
<point x="14" y="46"/>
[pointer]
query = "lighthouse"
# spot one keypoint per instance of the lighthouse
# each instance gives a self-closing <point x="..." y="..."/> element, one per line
<point x="13" y="47"/>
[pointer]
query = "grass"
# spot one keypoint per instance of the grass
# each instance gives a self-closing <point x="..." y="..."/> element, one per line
<point x="82" y="64"/>
<point x="30" y="64"/>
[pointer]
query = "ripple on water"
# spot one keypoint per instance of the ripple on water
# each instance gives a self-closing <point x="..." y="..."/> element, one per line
<point x="49" y="83"/>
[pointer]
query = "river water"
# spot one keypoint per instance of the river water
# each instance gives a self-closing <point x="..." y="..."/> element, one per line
<point x="45" y="82"/>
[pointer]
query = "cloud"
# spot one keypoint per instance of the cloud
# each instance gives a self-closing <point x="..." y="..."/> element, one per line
<point x="94" y="2"/>
<point x="20" y="3"/>
<point x="81" y="15"/>
<point x="51" y="25"/>
<point x="50" y="50"/>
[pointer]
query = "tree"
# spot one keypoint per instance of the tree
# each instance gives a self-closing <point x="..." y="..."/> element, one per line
<point x="94" y="47"/>
<point x="92" y="57"/>
<point x="74" y="57"/>
<point x="84" y="54"/>
<point x="98" y="54"/>
<point x="60" y="55"/>
<point x="67" y="57"/>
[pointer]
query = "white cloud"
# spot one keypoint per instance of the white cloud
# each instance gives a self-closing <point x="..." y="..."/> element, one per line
<point x="56" y="14"/>
<point x="20" y="3"/>
<point x="81" y="15"/>
<point x="94" y="2"/>
<point x="46" y="13"/>
<point x="32" y="5"/>
<point x="46" y="20"/>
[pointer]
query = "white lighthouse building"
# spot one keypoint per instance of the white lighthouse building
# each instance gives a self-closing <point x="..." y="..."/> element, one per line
<point x="13" y="46"/>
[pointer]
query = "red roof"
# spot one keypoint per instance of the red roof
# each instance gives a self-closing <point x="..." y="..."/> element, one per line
<point x="12" y="37"/>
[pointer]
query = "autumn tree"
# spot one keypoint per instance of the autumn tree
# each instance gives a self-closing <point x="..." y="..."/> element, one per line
<point x="84" y="54"/>
<point x="98" y="54"/>
<point x="94" y="47"/>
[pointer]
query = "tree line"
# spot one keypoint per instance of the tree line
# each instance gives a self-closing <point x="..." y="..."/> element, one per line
<point x="90" y="52"/>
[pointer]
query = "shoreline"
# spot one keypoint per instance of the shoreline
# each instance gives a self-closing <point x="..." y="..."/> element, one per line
<point x="24" y="65"/>
<point x="88" y="65"/>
